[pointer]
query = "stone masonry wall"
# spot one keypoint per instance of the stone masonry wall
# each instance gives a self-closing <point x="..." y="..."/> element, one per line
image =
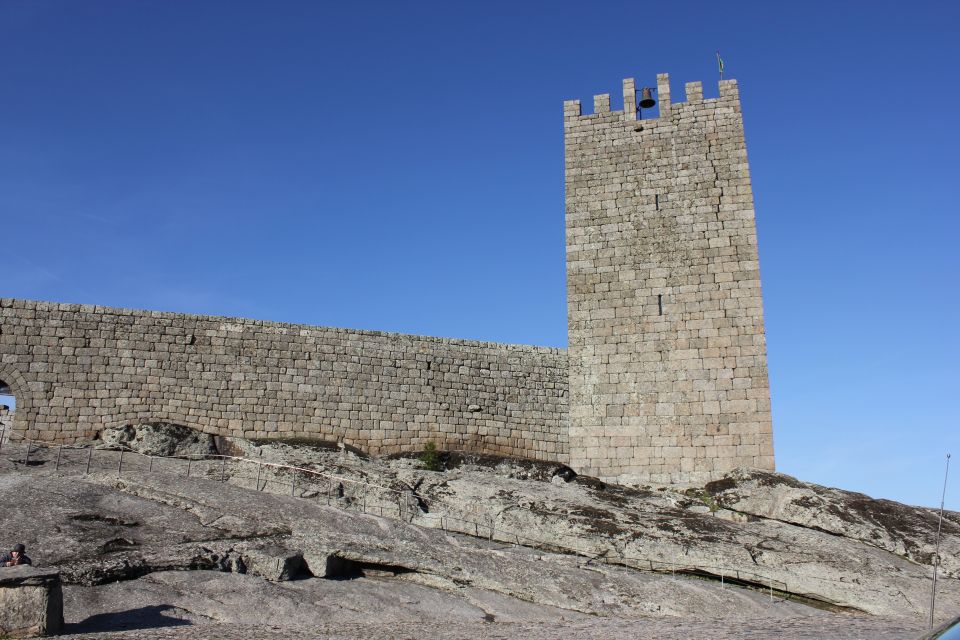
<point x="77" y="369"/>
<point x="668" y="376"/>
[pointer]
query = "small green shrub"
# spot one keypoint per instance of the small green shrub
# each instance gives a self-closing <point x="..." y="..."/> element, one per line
<point x="705" y="497"/>
<point x="431" y="458"/>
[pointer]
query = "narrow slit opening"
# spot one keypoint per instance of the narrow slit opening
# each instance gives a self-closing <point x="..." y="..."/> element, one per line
<point x="660" y="303"/>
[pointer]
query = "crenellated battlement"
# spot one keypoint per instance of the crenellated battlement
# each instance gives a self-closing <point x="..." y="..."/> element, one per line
<point x="693" y="92"/>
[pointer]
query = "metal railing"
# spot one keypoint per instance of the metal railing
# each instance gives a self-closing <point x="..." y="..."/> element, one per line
<point x="357" y="495"/>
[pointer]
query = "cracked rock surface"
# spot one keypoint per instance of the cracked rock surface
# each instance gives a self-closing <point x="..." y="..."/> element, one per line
<point x="767" y="529"/>
<point x="905" y="531"/>
<point x="194" y="524"/>
<point x="487" y="544"/>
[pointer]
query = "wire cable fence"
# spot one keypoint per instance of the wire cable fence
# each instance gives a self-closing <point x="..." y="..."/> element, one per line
<point x="357" y="495"/>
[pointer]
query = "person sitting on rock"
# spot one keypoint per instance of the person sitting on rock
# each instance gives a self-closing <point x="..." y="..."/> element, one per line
<point x="15" y="557"/>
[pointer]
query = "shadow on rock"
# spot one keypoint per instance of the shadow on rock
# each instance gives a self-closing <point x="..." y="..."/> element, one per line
<point x="141" y="618"/>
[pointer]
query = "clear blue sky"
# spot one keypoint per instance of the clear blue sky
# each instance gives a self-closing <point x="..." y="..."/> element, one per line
<point x="399" y="166"/>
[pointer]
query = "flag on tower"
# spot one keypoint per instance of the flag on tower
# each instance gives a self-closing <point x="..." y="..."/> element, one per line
<point x="720" y="64"/>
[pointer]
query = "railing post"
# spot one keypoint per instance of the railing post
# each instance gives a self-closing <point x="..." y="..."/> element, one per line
<point x="259" y="469"/>
<point x="3" y="432"/>
<point x="120" y="464"/>
<point x="293" y="484"/>
<point x="151" y="463"/>
<point x="364" y="503"/>
<point x="189" y="462"/>
<point x="89" y="460"/>
<point x="721" y="579"/>
<point x="26" y="458"/>
<point x="59" y="453"/>
<point x="223" y="468"/>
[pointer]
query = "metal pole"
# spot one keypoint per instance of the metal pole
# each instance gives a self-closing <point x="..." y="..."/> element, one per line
<point x="936" y="556"/>
<point x="3" y="432"/>
<point x="59" y="453"/>
<point x="364" y="504"/>
<point x="26" y="458"/>
<point x="293" y="483"/>
<point x="120" y="464"/>
<point x="151" y="463"/>
<point x="259" y="469"/>
<point x="89" y="459"/>
<point x="189" y="462"/>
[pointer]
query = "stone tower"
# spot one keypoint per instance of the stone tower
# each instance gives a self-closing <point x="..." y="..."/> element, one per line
<point x="668" y="366"/>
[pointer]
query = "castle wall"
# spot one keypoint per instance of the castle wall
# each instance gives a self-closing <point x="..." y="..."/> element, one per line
<point x="666" y="368"/>
<point x="76" y="369"/>
<point x="668" y="377"/>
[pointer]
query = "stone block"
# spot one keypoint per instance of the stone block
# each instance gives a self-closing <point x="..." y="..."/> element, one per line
<point x="31" y="602"/>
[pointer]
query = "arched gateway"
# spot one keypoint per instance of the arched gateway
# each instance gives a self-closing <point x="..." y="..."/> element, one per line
<point x="13" y="384"/>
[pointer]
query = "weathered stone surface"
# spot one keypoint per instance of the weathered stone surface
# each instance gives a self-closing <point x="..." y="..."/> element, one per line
<point x="501" y="523"/>
<point x="733" y="628"/>
<point x="205" y="597"/>
<point x="273" y="562"/>
<point x="682" y="530"/>
<point x="95" y="534"/>
<point x="900" y="529"/>
<point x="336" y="543"/>
<point x="31" y="602"/>
<point x="176" y="523"/>
<point x="159" y="439"/>
<point x="639" y="528"/>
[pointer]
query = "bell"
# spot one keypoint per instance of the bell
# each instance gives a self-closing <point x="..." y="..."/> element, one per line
<point x="646" y="98"/>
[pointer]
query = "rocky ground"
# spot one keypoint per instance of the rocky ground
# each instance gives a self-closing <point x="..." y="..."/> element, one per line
<point x="594" y="629"/>
<point x="482" y="548"/>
